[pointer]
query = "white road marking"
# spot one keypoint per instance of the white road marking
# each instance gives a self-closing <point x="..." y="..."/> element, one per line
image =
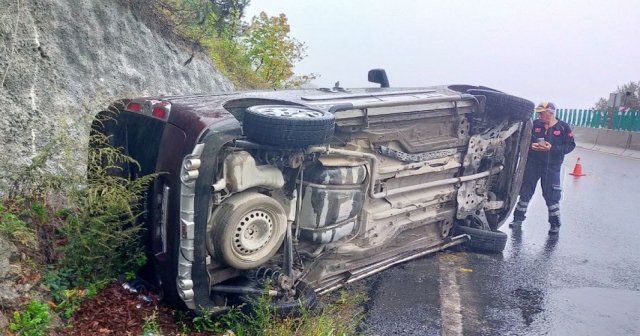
<point x="451" y="308"/>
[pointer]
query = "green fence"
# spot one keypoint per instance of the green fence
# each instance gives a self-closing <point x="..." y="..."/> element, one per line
<point x="623" y="121"/>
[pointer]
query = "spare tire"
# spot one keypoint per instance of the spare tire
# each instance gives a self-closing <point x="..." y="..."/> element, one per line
<point x="288" y="126"/>
<point x="482" y="240"/>
<point x="501" y="104"/>
<point x="246" y="230"/>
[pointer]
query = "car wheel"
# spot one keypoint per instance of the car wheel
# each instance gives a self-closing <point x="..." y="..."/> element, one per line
<point x="246" y="230"/>
<point x="288" y="126"/>
<point x="501" y="104"/>
<point x="483" y="240"/>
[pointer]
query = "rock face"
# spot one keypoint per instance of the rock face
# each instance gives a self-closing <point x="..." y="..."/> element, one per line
<point x="9" y="298"/>
<point x="58" y="55"/>
<point x="8" y="252"/>
<point x="18" y="286"/>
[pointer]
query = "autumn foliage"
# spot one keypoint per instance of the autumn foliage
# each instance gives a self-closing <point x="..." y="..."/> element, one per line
<point x="272" y="51"/>
<point x="257" y="54"/>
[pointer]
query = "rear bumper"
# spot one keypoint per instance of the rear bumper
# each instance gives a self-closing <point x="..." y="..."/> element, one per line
<point x="185" y="262"/>
<point x="177" y="207"/>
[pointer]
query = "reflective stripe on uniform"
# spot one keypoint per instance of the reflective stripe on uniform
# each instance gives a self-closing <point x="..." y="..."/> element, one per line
<point x="523" y="204"/>
<point x="519" y="208"/>
<point x="554" y="214"/>
<point x="554" y="207"/>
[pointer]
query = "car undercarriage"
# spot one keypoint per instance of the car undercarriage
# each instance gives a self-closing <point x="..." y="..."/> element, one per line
<point x="296" y="193"/>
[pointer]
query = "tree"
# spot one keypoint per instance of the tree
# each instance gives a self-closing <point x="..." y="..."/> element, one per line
<point x="601" y="105"/>
<point x="259" y="54"/>
<point x="199" y="19"/>
<point x="272" y="52"/>
<point x="630" y="97"/>
<point x="228" y="16"/>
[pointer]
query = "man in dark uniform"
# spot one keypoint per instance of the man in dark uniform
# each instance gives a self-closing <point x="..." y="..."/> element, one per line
<point x="551" y="140"/>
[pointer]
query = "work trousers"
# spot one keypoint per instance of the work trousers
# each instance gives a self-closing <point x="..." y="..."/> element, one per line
<point x="549" y="177"/>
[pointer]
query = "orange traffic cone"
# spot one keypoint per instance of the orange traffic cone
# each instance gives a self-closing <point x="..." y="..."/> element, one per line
<point x="577" y="170"/>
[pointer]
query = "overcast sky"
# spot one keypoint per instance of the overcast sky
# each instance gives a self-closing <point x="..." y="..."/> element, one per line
<point x="570" y="52"/>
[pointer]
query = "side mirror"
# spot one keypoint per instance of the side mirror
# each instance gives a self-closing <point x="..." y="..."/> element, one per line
<point x="379" y="76"/>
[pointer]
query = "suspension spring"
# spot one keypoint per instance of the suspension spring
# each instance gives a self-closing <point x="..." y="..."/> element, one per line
<point x="263" y="275"/>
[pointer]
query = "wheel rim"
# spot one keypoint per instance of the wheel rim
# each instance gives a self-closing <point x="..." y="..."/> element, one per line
<point x="289" y="112"/>
<point x="252" y="233"/>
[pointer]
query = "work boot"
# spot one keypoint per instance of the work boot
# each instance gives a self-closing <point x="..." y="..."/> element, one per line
<point x="555" y="229"/>
<point x="515" y="224"/>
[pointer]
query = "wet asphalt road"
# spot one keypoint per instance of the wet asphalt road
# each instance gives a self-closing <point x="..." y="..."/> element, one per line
<point x="585" y="282"/>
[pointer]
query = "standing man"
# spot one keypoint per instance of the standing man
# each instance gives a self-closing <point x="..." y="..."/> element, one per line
<point x="551" y="140"/>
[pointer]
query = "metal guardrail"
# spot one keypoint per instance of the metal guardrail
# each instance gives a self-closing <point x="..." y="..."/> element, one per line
<point x="622" y="121"/>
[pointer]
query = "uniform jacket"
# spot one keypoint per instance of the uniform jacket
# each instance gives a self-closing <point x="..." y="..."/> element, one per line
<point x="562" y="143"/>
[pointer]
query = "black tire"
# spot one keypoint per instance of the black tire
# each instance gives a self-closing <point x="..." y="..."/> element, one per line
<point x="482" y="240"/>
<point x="241" y="240"/>
<point x="501" y="104"/>
<point x="288" y="126"/>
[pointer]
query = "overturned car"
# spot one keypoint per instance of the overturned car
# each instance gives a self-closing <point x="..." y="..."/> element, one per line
<point x="296" y="193"/>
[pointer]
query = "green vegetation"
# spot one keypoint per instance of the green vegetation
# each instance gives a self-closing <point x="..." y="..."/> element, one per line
<point x="102" y="234"/>
<point x="340" y="317"/>
<point x="34" y="321"/>
<point x="15" y="228"/>
<point x="257" y="55"/>
<point x="151" y="325"/>
<point x="78" y="226"/>
<point x="72" y="298"/>
<point x="272" y="52"/>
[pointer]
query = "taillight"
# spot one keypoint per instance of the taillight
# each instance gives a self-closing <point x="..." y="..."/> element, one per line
<point x="159" y="112"/>
<point x="135" y="107"/>
<point x="153" y="108"/>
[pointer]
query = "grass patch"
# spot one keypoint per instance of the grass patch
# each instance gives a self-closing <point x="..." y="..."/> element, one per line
<point x="13" y="227"/>
<point x="340" y="317"/>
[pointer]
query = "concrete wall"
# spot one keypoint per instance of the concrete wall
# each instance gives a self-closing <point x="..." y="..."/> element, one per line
<point x="633" y="148"/>
<point x="622" y="143"/>
<point x="585" y="137"/>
